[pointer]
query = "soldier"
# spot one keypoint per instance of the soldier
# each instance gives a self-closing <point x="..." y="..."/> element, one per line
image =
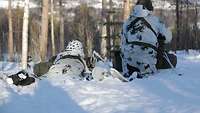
<point x="142" y="41"/>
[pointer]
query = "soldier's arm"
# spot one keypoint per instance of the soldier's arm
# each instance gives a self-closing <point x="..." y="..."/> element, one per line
<point x="165" y="33"/>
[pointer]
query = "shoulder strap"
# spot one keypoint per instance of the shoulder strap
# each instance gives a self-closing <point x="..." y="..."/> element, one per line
<point x="138" y="42"/>
<point x="142" y="44"/>
<point x="149" y="26"/>
<point x="145" y="22"/>
<point x="131" y="25"/>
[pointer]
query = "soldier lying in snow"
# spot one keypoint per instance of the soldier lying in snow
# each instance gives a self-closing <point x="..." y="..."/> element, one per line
<point x="70" y="62"/>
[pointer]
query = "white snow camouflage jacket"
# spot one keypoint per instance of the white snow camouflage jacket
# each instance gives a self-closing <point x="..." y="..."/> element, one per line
<point x="138" y="31"/>
<point x="147" y="35"/>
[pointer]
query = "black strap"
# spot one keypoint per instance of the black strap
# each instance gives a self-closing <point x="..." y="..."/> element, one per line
<point x="131" y="25"/>
<point x="144" y="21"/>
<point x="69" y="56"/>
<point x="138" y="42"/>
<point x="143" y="44"/>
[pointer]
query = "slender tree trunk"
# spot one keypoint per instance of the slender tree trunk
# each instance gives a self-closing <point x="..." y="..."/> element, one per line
<point x="25" y="35"/>
<point x="110" y="28"/>
<point x="177" y="25"/>
<point x="62" y="40"/>
<point x="1" y="41"/>
<point x="44" y="30"/>
<point x="10" y="34"/>
<point x="187" y="31"/>
<point x="126" y="9"/>
<point x="103" y="31"/>
<point x="52" y="28"/>
<point x="162" y="11"/>
<point x="19" y="33"/>
<point x="196" y="27"/>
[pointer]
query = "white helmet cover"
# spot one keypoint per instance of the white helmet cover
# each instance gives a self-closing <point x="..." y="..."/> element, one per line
<point x="74" y="48"/>
<point x="140" y="11"/>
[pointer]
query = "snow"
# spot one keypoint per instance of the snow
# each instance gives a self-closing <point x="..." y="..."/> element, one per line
<point x="46" y="99"/>
<point x="165" y="92"/>
<point x="18" y="3"/>
<point x="158" y="4"/>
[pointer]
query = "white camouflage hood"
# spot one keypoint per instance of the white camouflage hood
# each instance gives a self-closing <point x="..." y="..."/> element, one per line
<point x="140" y="11"/>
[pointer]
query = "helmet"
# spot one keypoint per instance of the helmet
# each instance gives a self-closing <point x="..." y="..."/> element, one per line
<point x="74" y="48"/>
<point x="146" y="3"/>
<point x="140" y="11"/>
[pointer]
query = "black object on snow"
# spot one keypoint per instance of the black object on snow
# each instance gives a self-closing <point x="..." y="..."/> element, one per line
<point x="18" y="81"/>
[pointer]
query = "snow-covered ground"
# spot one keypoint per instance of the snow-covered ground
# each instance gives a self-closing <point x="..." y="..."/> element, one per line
<point x="165" y="92"/>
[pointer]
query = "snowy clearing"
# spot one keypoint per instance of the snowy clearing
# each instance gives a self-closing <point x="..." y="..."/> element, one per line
<point x="165" y="92"/>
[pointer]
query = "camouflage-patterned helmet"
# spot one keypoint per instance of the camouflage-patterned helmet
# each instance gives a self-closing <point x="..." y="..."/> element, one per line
<point x="75" y="48"/>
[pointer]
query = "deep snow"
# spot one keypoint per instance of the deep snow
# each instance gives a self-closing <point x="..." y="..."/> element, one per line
<point x="165" y="92"/>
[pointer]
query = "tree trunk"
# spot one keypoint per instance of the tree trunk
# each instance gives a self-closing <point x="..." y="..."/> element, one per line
<point x="177" y="25"/>
<point x="1" y="41"/>
<point x="187" y="31"/>
<point x="44" y="30"/>
<point x="62" y="40"/>
<point x="110" y="29"/>
<point x="25" y="35"/>
<point x="196" y="27"/>
<point x="126" y="9"/>
<point x="52" y="29"/>
<point x="19" y="33"/>
<point x="103" y="31"/>
<point x="10" y="34"/>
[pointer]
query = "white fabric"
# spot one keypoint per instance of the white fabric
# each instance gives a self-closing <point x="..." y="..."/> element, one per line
<point x="22" y="76"/>
<point x="68" y="67"/>
<point x="100" y="71"/>
<point x="155" y="22"/>
<point x="9" y="81"/>
<point x="138" y="11"/>
<point x="75" y="48"/>
<point x="140" y="32"/>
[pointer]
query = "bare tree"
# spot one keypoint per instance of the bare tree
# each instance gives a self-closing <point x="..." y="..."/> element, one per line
<point x="44" y="30"/>
<point x="177" y="24"/>
<point x="85" y="27"/>
<point x="109" y="28"/>
<point x="1" y="47"/>
<point x="103" y="30"/>
<point x="52" y="28"/>
<point x="10" y="34"/>
<point x="62" y="35"/>
<point x="196" y="27"/>
<point x="187" y="29"/>
<point x="17" y="28"/>
<point x="25" y="35"/>
<point x="126" y="9"/>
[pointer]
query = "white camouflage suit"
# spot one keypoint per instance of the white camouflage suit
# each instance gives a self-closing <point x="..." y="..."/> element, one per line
<point x="71" y="61"/>
<point x="140" y="57"/>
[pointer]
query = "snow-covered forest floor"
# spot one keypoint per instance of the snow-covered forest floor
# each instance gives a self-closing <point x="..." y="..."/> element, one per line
<point x="165" y="92"/>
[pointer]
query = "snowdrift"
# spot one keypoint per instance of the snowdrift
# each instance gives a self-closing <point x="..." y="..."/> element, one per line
<point x="165" y="92"/>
